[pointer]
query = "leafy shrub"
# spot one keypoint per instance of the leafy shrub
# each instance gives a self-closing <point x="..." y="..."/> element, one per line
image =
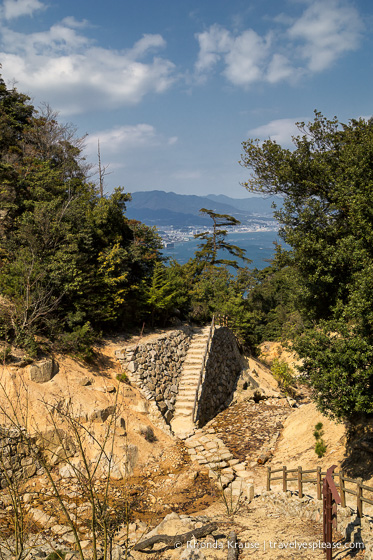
<point x="79" y="342"/>
<point x="122" y="377"/>
<point x="282" y="372"/>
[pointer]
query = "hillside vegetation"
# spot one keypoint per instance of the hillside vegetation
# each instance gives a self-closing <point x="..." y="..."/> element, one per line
<point x="74" y="266"/>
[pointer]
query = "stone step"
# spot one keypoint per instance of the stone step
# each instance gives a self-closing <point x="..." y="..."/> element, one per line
<point x="190" y="362"/>
<point x="187" y="395"/>
<point x="184" y="403"/>
<point x="183" y="412"/>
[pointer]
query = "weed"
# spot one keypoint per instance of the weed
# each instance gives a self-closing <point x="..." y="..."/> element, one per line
<point x="5" y="355"/>
<point x="122" y="378"/>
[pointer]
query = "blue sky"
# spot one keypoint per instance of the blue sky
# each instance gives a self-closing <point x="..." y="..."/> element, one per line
<point x="171" y="88"/>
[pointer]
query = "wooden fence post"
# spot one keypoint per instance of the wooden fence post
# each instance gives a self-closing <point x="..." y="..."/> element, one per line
<point x="300" y="485"/>
<point x="284" y="479"/>
<point x="342" y="489"/>
<point x="268" y="478"/>
<point x="359" y="495"/>
<point x="318" y="483"/>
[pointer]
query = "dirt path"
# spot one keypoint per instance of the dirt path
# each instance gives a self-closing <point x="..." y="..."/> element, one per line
<point x="263" y="533"/>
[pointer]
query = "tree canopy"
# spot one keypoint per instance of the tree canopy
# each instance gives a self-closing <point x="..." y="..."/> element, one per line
<point x="327" y="219"/>
<point x="71" y="262"/>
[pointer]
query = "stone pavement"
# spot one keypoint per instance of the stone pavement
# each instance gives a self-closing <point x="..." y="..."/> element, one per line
<point x="229" y="473"/>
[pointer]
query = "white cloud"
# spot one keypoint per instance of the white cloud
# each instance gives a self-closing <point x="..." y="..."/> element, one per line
<point x="312" y="43"/>
<point x="280" y="68"/>
<point x="124" y="138"/>
<point x="245" y="58"/>
<point x="279" y="130"/>
<point x="242" y="55"/>
<point x="63" y="66"/>
<point x="327" y="30"/>
<point x="16" y="8"/>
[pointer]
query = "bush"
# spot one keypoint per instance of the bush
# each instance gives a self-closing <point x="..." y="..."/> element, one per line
<point x="79" y="342"/>
<point x="122" y="378"/>
<point x="320" y="446"/>
<point x="282" y="372"/>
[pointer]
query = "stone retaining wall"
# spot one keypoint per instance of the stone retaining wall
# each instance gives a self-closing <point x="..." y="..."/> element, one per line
<point x="354" y="529"/>
<point x="222" y="369"/>
<point x="156" y="367"/>
<point x="16" y="458"/>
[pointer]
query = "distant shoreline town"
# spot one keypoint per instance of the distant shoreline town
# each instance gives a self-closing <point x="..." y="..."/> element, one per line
<point x="172" y="235"/>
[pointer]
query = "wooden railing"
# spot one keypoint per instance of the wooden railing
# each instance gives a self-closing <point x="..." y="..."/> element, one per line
<point x="299" y="476"/>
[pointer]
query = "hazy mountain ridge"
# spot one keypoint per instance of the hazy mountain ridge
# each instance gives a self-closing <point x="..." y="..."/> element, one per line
<point x="168" y="208"/>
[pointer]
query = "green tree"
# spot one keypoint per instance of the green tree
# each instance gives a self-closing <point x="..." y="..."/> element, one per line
<point x="71" y="263"/>
<point x="327" y="219"/>
<point x="216" y="241"/>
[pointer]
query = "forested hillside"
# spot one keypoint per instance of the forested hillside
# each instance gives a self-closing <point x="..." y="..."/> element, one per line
<point x="74" y="267"/>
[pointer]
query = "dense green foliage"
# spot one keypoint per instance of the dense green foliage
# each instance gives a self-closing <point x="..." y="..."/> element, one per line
<point x="327" y="219"/>
<point x="71" y="263"/>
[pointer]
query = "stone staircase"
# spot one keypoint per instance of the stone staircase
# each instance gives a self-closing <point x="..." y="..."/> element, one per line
<point x="182" y="423"/>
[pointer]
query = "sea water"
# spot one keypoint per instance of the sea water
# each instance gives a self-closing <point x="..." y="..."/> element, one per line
<point x="259" y="246"/>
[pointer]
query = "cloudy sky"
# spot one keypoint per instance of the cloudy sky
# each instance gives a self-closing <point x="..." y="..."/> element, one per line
<point x="171" y="88"/>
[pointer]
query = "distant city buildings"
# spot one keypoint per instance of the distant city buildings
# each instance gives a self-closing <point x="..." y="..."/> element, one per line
<point x="171" y="235"/>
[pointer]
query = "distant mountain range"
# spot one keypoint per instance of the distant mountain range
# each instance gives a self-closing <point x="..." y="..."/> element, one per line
<point x="162" y="208"/>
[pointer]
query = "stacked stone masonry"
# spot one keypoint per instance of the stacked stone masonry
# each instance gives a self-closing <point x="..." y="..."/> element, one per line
<point x="156" y="367"/>
<point x="222" y="370"/>
<point x="17" y="458"/>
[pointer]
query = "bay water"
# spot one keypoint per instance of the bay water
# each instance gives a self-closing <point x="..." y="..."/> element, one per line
<point x="259" y="246"/>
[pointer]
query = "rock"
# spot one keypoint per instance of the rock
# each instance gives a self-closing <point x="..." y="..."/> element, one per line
<point x="162" y="406"/>
<point x="168" y="416"/>
<point x="132" y="367"/>
<point x="60" y="529"/>
<point x="29" y="471"/>
<point x="192" y="554"/>
<point x="116" y="553"/>
<point x="101" y="415"/>
<point x="172" y="524"/>
<point x="67" y="471"/>
<point x="84" y="381"/>
<point x="141" y="406"/>
<point x="132" y="454"/>
<point x="43" y="371"/>
<point x="40" y="517"/>
<point x="106" y="389"/>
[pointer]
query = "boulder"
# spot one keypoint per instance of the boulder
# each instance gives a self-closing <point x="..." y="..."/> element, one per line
<point x="43" y="371"/>
<point x="102" y="414"/>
